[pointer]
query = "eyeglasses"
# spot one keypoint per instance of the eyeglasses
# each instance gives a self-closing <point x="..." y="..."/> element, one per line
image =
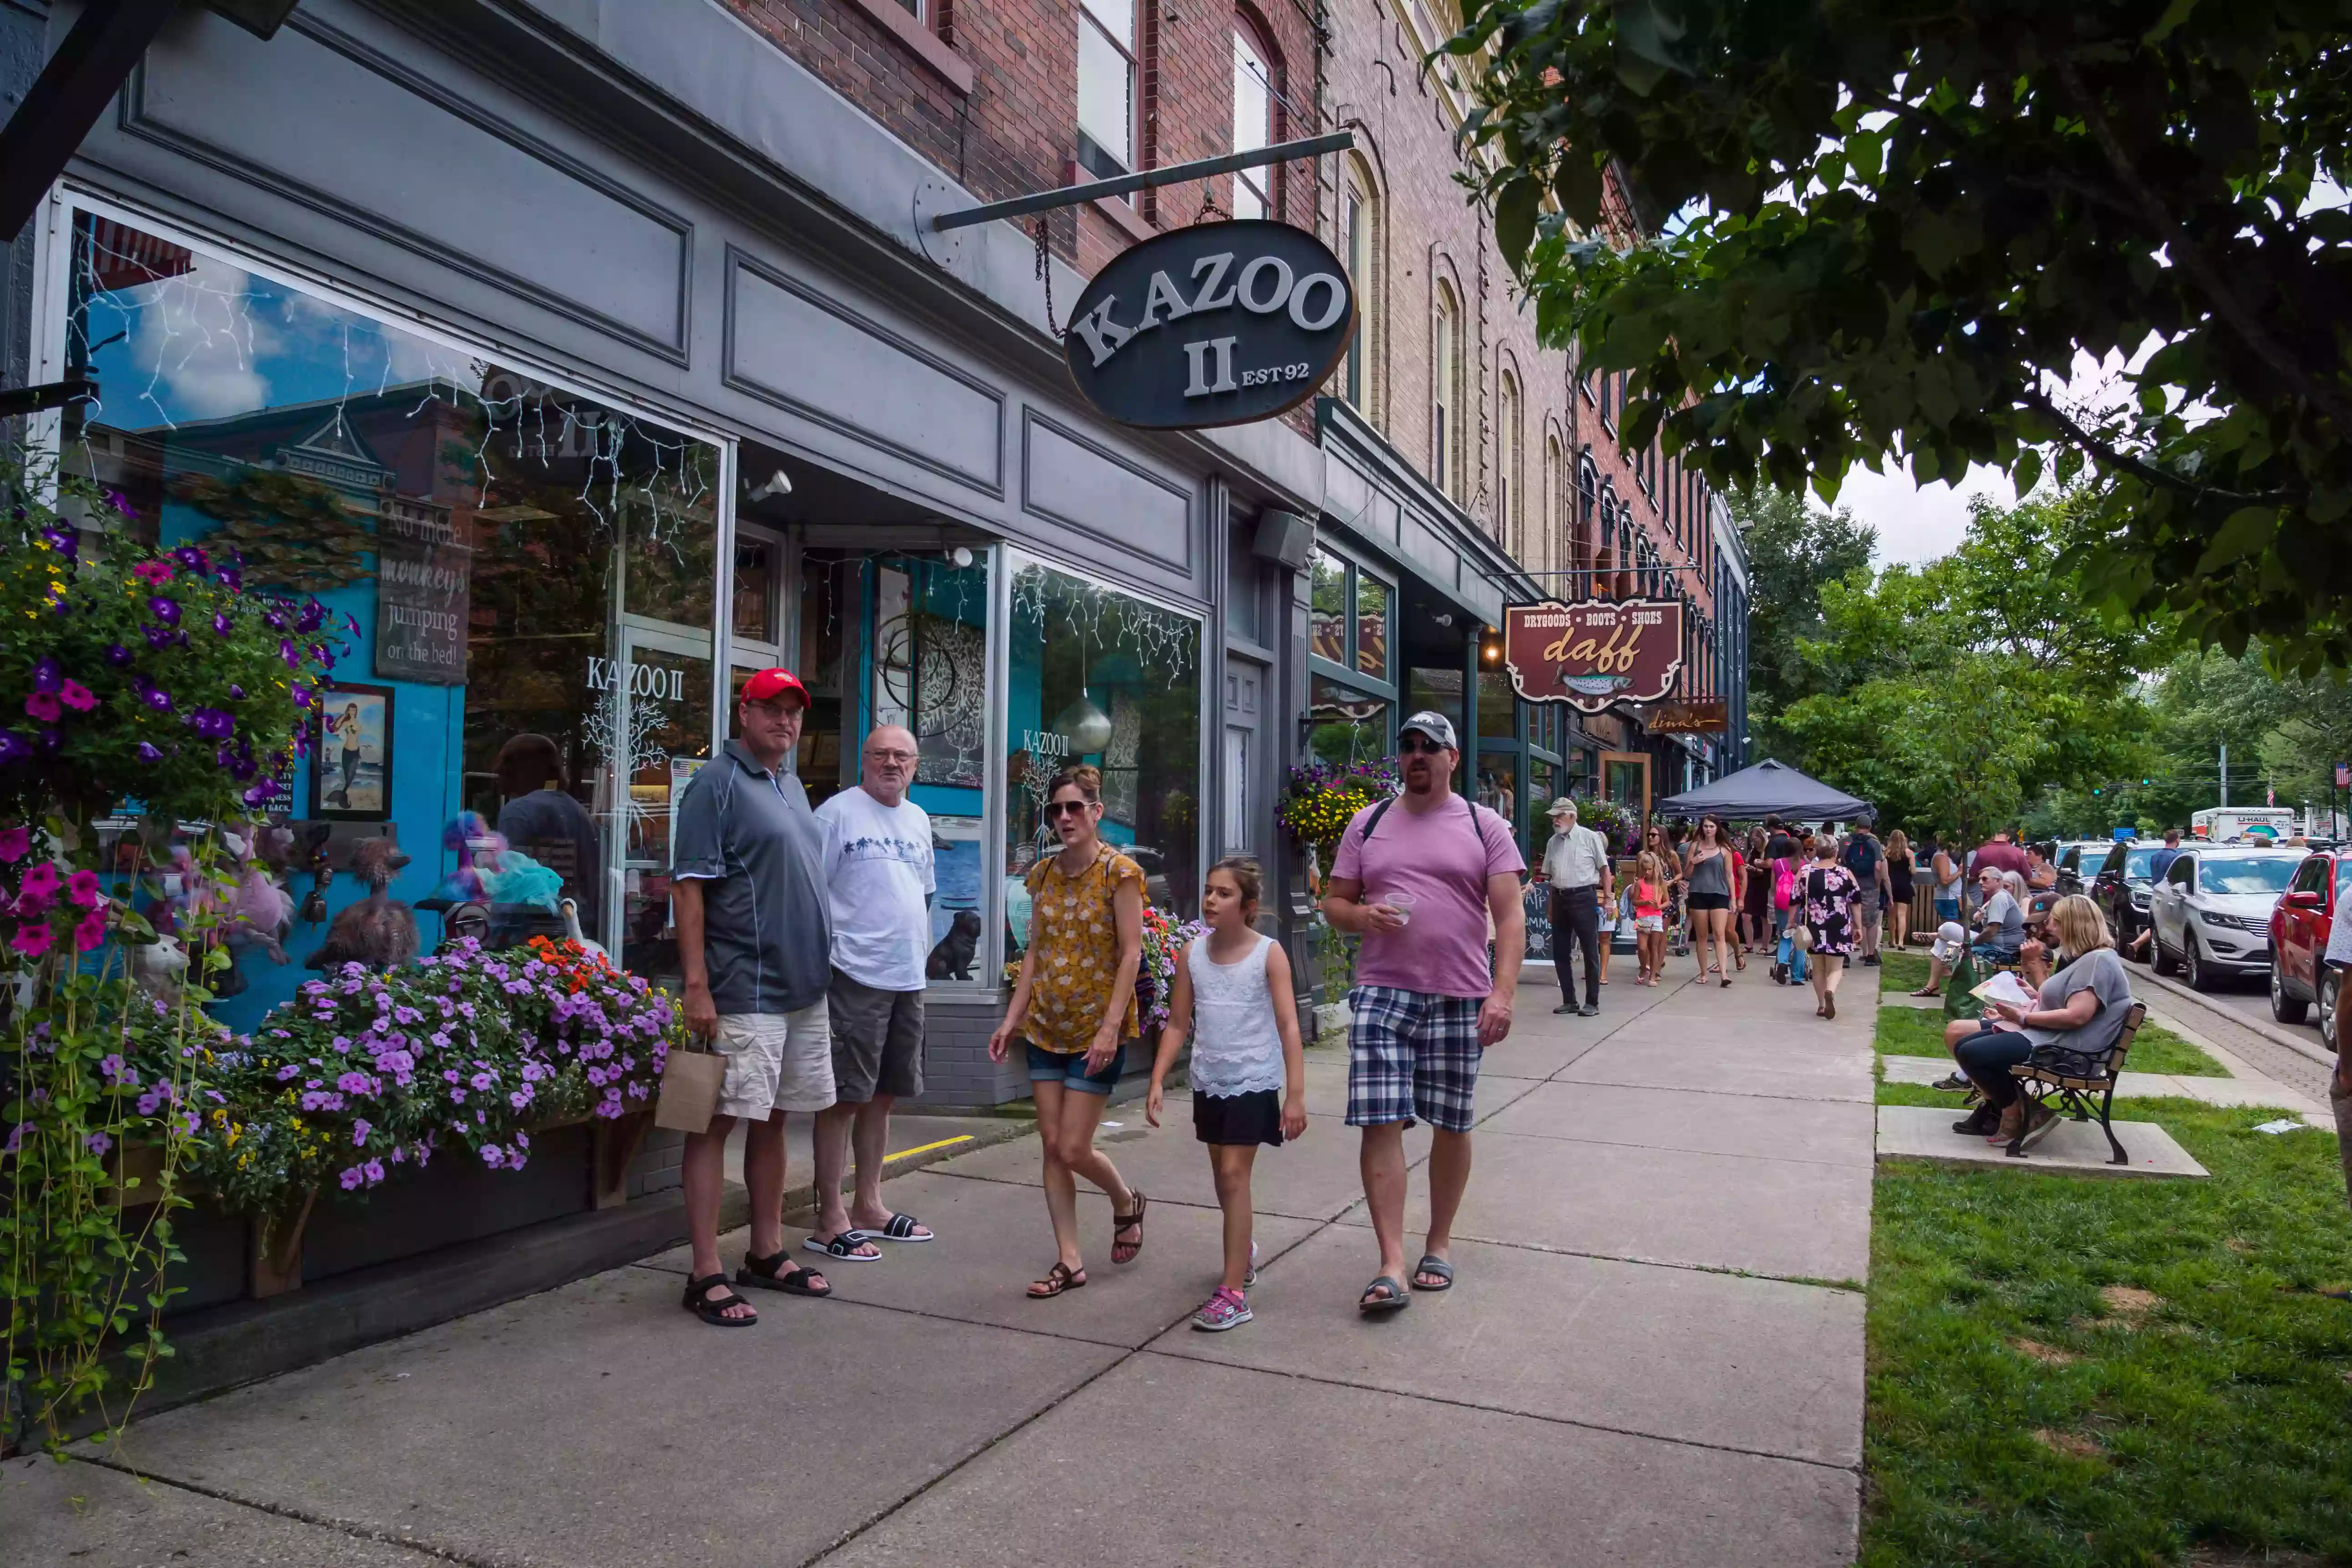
<point x="1057" y="809"/>
<point x="1418" y="746"/>
<point x="892" y="756"/>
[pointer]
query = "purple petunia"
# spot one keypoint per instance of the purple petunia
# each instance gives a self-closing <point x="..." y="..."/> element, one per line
<point x="46" y="674"/>
<point x="148" y="754"/>
<point x="13" y="748"/>
<point x="165" y="610"/>
<point x="213" y="723"/>
<point x="193" y="559"/>
<point x="361" y="1127"/>
<point x="63" y="541"/>
<point x="222" y="624"/>
<point x="98" y="1143"/>
<point x="117" y="656"/>
<point x="230" y="578"/>
<point x="352" y="1178"/>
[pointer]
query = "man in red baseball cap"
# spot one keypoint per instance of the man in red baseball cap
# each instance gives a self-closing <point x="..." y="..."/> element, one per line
<point x="755" y="945"/>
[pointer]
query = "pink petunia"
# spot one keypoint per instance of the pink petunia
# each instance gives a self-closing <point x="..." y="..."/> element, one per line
<point x="77" y="696"/>
<point x="14" y="843"/>
<point x="152" y="571"/>
<point x="33" y="938"/>
<point x="83" y="887"/>
<point x="89" y="931"/>
<point x="42" y="706"/>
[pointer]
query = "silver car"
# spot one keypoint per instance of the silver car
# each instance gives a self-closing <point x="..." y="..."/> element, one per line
<point x="2212" y="911"/>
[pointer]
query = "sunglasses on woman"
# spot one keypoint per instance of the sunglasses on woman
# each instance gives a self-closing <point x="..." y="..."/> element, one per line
<point x="1057" y="809"/>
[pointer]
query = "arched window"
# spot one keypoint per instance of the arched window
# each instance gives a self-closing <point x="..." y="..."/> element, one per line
<point x="1254" y="101"/>
<point x="1559" y="511"/>
<point x="1359" y="248"/>
<point x="1508" y="522"/>
<point x="1605" y="558"/>
<point x="1106" y="54"/>
<point x="1446" y="395"/>
<point x="1584" y="545"/>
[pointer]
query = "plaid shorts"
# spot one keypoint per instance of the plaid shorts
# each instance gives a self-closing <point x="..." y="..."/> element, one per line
<point x="1412" y="1054"/>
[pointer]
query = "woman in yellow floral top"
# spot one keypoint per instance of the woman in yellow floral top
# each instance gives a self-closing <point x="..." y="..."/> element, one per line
<point x="1074" y="1009"/>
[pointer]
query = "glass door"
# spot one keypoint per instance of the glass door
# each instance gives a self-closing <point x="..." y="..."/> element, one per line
<point x="658" y="712"/>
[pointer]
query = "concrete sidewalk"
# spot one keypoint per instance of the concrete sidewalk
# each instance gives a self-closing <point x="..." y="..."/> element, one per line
<point x="1648" y="1359"/>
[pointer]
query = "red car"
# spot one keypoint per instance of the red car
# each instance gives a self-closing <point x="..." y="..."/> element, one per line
<point x="2299" y="928"/>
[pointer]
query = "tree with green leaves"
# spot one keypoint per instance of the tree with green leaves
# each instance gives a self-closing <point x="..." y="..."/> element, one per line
<point x="1891" y="231"/>
<point x="1792" y="550"/>
<point x="1952" y="695"/>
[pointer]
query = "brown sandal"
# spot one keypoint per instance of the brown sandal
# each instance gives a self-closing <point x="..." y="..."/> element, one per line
<point x="1058" y="1278"/>
<point x="1119" y="1222"/>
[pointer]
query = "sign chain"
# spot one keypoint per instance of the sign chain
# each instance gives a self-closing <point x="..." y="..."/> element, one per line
<point x="1045" y="275"/>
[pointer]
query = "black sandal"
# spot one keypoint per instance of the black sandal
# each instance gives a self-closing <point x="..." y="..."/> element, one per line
<point x="1058" y="1278"/>
<point x="1396" y="1301"/>
<point x="769" y="1274"/>
<point x="1433" y="1265"/>
<point x="1119" y="1222"/>
<point x="710" y="1310"/>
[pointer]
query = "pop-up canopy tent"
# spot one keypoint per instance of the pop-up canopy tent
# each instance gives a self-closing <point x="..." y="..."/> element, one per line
<point x="1767" y="788"/>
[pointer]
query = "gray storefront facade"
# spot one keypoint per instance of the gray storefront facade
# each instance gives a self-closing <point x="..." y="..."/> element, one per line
<point x="592" y="350"/>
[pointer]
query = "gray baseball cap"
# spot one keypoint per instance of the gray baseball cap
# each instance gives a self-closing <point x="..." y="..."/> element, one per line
<point x="1564" y="806"/>
<point x="1435" y="725"/>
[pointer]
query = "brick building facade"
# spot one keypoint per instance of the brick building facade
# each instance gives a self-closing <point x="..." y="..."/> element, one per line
<point x="1447" y="370"/>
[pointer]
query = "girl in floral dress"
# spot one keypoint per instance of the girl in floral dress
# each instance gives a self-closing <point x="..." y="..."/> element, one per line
<point x="1828" y="891"/>
<point x="1075" y="1010"/>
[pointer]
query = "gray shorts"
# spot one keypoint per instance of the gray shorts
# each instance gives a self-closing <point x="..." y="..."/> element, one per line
<point x="878" y="1040"/>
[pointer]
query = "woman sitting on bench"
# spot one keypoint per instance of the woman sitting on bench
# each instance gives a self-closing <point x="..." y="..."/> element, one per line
<point x="2001" y="916"/>
<point x="2081" y="1007"/>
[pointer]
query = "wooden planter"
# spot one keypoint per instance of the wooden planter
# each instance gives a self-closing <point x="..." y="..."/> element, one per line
<point x="274" y="1242"/>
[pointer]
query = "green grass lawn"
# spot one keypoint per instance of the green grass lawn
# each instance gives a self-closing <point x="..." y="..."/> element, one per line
<point x="1902" y="970"/>
<point x="2068" y="1370"/>
<point x="1917" y="1032"/>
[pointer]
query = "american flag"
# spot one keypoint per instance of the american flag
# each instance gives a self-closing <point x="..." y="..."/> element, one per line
<point x="121" y="257"/>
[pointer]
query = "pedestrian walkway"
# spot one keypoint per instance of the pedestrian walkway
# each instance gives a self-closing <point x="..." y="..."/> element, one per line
<point x="1648" y="1359"/>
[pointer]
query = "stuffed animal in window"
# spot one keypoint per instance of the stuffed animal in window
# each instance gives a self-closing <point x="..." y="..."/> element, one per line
<point x="379" y="931"/>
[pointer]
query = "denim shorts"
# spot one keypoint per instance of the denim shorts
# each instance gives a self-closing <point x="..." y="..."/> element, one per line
<point x="1947" y="909"/>
<point x="1070" y="1071"/>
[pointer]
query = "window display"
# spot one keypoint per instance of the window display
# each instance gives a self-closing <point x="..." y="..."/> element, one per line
<point x="523" y="578"/>
<point x="1103" y="676"/>
<point x="1345" y="725"/>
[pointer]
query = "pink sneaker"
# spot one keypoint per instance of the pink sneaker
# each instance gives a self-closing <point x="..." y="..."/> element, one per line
<point x="1225" y="1310"/>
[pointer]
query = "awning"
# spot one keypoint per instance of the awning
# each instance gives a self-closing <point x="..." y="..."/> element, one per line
<point x="1764" y="790"/>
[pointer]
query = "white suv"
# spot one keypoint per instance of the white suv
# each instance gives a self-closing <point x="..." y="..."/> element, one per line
<point x="2212" y="911"/>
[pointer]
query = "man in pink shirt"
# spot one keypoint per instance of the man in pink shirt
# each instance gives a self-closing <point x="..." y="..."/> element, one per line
<point x="1417" y="877"/>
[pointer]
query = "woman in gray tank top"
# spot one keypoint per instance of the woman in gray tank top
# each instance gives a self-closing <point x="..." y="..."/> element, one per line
<point x="1707" y="867"/>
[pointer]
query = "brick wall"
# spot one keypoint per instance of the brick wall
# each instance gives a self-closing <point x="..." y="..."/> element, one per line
<point x="1427" y="231"/>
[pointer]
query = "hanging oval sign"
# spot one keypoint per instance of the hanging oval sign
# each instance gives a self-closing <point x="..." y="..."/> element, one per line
<point x="1216" y="324"/>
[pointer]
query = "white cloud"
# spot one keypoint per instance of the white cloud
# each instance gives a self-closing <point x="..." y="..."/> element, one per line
<point x="1917" y="523"/>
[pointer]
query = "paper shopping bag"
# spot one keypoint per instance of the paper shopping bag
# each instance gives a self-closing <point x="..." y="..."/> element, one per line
<point x="689" y="1090"/>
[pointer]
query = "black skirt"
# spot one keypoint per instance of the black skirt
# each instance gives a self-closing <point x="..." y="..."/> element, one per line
<point x="1253" y="1118"/>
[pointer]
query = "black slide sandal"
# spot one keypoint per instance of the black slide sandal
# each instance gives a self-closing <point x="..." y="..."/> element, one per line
<point x="1433" y="1264"/>
<point x="769" y="1274"/>
<point x="1395" y="1301"/>
<point x="902" y="1227"/>
<point x="845" y="1247"/>
<point x="700" y="1301"/>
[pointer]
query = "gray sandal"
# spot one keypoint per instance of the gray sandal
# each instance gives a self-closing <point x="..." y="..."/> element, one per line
<point x="1433" y="1264"/>
<point x="1395" y="1301"/>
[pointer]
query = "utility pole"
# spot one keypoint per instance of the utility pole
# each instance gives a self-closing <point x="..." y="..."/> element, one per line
<point x="2225" y="772"/>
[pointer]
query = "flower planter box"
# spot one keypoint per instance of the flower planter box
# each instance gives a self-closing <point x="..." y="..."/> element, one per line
<point x="274" y="1242"/>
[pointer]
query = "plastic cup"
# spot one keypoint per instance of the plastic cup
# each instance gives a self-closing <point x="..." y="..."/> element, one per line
<point x="1403" y="903"/>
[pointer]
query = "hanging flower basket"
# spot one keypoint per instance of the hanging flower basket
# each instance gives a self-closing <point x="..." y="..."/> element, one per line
<point x="1322" y="798"/>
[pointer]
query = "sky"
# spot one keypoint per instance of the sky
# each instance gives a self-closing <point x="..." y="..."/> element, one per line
<point x="1917" y="523"/>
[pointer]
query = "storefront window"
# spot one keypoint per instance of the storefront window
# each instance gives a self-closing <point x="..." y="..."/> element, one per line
<point x="1497" y="706"/>
<point x="1543" y="788"/>
<point x="1345" y="725"/>
<point x="1102" y="676"/>
<point x="1437" y="690"/>
<point x="1328" y="608"/>
<point x="1371" y="626"/>
<point x="529" y="577"/>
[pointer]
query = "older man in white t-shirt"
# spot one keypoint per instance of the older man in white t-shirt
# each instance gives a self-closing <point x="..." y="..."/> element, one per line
<point x="879" y="880"/>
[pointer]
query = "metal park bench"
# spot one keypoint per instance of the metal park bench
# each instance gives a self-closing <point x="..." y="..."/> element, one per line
<point x="2074" y="1077"/>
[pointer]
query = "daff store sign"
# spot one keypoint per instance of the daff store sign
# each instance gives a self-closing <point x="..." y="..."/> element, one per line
<point x="1596" y="653"/>
<point x="1216" y="324"/>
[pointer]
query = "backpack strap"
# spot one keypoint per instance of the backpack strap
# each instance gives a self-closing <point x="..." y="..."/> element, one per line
<point x="1378" y="810"/>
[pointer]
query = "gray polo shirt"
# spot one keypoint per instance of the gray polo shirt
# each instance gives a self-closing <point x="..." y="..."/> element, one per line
<point x="767" y="934"/>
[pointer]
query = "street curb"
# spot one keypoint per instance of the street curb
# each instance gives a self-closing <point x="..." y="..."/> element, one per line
<point x="2263" y="1027"/>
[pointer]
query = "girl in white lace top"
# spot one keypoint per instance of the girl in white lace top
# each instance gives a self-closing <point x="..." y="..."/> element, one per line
<point x="1232" y="995"/>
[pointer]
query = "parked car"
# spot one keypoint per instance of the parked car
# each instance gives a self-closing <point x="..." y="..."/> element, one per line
<point x="2299" y="930"/>
<point x="2212" y="912"/>
<point x="2120" y="886"/>
<point x="2079" y="860"/>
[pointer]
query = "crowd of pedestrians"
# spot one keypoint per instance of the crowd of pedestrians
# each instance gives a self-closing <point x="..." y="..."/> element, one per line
<point x="803" y="935"/>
